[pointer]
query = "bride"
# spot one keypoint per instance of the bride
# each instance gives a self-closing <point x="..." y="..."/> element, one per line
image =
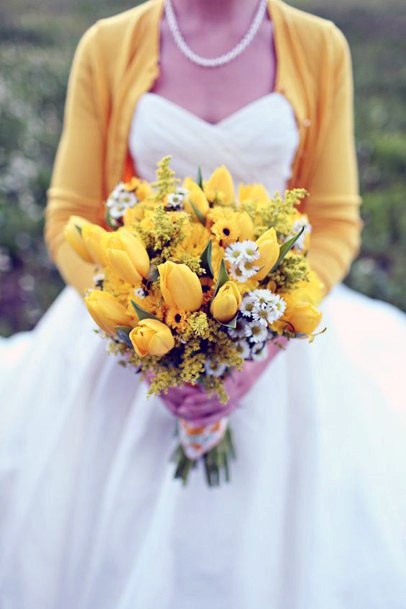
<point x="314" y="517"/>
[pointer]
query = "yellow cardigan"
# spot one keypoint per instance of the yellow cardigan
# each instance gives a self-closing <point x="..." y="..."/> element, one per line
<point x="117" y="60"/>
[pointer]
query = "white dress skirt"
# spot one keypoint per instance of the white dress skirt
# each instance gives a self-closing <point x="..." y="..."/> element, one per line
<point x="314" y="517"/>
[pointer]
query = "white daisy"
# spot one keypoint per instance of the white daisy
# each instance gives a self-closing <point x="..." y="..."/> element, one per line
<point x="248" y="269"/>
<point x="261" y="315"/>
<point x="237" y="274"/>
<point x="251" y="250"/>
<point x="122" y="198"/>
<point x="247" y="306"/>
<point x="118" y="210"/>
<point x="234" y="253"/>
<point x="214" y="369"/>
<point x="261" y="298"/>
<point x="267" y="306"/>
<point x="175" y="199"/>
<point x="297" y="227"/>
<point x="241" y="330"/>
<point x="259" y="352"/>
<point x="140" y="292"/>
<point x="258" y="332"/>
<point x="243" y="349"/>
<point x="271" y="312"/>
<point x="130" y="199"/>
<point x="115" y="194"/>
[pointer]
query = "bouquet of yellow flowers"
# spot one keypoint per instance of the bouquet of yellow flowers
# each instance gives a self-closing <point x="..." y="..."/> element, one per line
<point x="192" y="281"/>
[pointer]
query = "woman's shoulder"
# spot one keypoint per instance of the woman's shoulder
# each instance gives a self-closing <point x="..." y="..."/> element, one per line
<point x="312" y="31"/>
<point x="112" y="33"/>
<point x="109" y="44"/>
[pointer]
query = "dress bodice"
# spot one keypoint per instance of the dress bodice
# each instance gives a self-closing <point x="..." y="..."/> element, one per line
<point x="257" y="143"/>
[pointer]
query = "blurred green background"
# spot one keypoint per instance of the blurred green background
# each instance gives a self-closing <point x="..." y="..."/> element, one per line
<point x="37" y="40"/>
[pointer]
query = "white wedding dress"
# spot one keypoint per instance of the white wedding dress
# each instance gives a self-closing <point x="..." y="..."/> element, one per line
<point x="314" y="517"/>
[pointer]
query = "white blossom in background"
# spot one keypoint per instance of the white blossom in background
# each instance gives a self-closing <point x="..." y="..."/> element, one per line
<point x="119" y="200"/>
<point x="300" y="244"/>
<point x="175" y="199"/>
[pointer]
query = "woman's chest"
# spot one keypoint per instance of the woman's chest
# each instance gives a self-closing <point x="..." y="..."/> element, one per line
<point x="213" y="94"/>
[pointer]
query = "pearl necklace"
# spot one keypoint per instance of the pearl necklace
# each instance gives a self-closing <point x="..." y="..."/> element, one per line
<point x="214" y="62"/>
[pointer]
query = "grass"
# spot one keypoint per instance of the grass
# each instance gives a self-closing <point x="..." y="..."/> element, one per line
<point x="36" y="47"/>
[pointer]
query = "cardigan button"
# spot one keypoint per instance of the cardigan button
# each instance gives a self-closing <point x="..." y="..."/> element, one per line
<point x="307" y="122"/>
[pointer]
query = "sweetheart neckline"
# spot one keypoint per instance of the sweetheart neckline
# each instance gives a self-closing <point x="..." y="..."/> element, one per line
<point x="230" y="118"/>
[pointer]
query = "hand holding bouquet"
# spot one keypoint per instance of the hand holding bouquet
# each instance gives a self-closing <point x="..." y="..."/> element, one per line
<point x="193" y="280"/>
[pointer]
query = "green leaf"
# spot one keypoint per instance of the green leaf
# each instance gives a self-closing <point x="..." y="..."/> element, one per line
<point x="110" y="221"/>
<point x="230" y="324"/>
<point x="199" y="179"/>
<point x="125" y="329"/>
<point x="142" y="314"/>
<point x="285" y="248"/>
<point x="205" y="259"/>
<point x="153" y="274"/>
<point x="198" y="213"/>
<point x="122" y="335"/>
<point x="222" y="278"/>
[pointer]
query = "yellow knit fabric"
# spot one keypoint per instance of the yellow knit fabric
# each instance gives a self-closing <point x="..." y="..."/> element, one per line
<point x="117" y="61"/>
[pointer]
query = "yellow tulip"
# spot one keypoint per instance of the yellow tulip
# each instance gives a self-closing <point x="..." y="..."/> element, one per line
<point x="95" y="238"/>
<point x="246" y="226"/>
<point x="252" y="192"/>
<point x="127" y="256"/>
<point x="75" y="238"/>
<point x="196" y="197"/>
<point x="226" y="303"/>
<point x="219" y="187"/>
<point x="107" y="312"/>
<point x="151" y="337"/>
<point x="268" y="253"/>
<point x="301" y="314"/>
<point x="311" y="290"/>
<point x="180" y="287"/>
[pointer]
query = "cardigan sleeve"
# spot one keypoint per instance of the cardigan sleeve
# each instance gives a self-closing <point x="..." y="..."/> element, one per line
<point x="76" y="185"/>
<point x="333" y="205"/>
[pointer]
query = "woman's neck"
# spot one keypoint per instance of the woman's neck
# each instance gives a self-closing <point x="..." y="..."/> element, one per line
<point x="216" y="11"/>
